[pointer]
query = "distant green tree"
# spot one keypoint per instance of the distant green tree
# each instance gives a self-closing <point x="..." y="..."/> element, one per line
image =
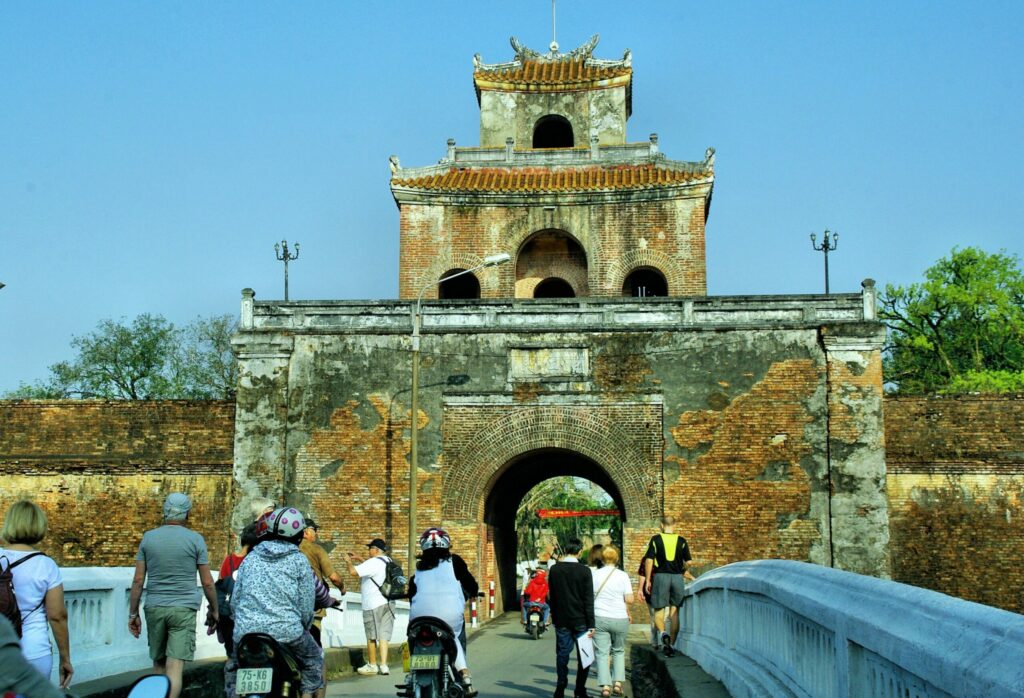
<point x="961" y="330"/>
<point x="147" y="359"/>
<point x="561" y="493"/>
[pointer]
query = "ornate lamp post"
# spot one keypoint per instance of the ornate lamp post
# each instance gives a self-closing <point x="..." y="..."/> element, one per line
<point x="827" y="245"/>
<point x="489" y="261"/>
<point x="281" y="251"/>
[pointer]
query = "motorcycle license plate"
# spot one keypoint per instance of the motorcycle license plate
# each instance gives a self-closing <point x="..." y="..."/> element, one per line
<point x="424" y="661"/>
<point x="251" y="681"/>
<point x="534" y="617"/>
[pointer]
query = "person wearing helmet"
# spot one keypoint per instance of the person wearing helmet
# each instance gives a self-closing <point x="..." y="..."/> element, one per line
<point x="274" y="594"/>
<point x="435" y="591"/>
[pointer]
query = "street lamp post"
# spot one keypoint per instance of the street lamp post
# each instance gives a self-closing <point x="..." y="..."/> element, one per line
<point x="827" y="245"/>
<point x="489" y="261"/>
<point x="281" y="251"/>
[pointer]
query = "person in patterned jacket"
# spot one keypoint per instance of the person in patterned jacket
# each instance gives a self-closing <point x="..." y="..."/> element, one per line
<point x="275" y="594"/>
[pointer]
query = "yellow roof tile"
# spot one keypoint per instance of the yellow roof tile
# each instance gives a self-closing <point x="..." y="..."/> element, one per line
<point x="538" y="179"/>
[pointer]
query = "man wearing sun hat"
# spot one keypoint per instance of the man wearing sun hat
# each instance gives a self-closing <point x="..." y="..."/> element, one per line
<point x="167" y="561"/>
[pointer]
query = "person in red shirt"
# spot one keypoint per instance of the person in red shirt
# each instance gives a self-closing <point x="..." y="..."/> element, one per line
<point x="536" y="595"/>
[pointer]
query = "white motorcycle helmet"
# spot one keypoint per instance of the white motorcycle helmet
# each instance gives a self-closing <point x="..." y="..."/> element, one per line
<point x="435" y="538"/>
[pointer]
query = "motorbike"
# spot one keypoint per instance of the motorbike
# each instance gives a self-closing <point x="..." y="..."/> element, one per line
<point x="431" y="670"/>
<point x="266" y="667"/>
<point x="535" y="626"/>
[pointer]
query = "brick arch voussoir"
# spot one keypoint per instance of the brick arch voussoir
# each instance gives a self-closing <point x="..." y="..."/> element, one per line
<point x="621" y="268"/>
<point x="518" y="239"/>
<point x="456" y="260"/>
<point x="472" y="469"/>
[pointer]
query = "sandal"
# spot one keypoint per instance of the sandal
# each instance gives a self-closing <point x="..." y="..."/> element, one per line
<point x="606" y="692"/>
<point x="617" y="688"/>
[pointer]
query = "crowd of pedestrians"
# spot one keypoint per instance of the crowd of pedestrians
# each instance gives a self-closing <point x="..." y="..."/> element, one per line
<point x="276" y="582"/>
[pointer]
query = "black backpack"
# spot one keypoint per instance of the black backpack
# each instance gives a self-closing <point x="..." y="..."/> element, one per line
<point x="394" y="580"/>
<point x="8" y="599"/>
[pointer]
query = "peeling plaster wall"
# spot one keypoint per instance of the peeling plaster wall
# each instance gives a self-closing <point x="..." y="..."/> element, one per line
<point x="741" y="449"/>
<point x="593" y="112"/>
<point x="617" y="238"/>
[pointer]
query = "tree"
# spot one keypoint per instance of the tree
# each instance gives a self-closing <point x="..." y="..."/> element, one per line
<point x="148" y="359"/>
<point x="561" y="493"/>
<point x="960" y="330"/>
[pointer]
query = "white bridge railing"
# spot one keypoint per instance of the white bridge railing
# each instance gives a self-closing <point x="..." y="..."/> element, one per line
<point x="782" y="628"/>
<point x="97" y="603"/>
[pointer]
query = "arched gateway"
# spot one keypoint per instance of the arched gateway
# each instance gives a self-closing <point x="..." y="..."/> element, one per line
<point x="494" y="453"/>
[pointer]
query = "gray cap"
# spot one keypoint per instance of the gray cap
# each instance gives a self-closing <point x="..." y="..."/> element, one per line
<point x="176" y="506"/>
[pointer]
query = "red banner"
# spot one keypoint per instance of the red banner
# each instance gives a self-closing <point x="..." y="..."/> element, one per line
<point x="569" y="513"/>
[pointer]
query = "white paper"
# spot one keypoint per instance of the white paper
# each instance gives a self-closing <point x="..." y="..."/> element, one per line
<point x="585" y="649"/>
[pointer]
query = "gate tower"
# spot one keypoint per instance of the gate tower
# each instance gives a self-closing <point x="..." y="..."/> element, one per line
<point x="555" y="184"/>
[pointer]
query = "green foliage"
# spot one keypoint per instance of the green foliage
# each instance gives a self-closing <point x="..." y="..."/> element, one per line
<point x="561" y="493"/>
<point x="961" y="330"/>
<point x="148" y="359"/>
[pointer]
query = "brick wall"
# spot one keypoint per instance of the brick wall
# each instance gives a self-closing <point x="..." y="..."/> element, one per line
<point x="101" y="470"/>
<point x="956" y="495"/>
<point x="436" y="239"/>
<point x="733" y="474"/>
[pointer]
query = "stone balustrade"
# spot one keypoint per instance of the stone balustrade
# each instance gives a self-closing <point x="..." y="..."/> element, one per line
<point x="784" y="628"/>
<point x="97" y="603"/>
<point x="561" y="314"/>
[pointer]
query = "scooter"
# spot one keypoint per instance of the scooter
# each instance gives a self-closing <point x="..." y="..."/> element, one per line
<point x="535" y="626"/>
<point x="266" y="667"/>
<point x="431" y="670"/>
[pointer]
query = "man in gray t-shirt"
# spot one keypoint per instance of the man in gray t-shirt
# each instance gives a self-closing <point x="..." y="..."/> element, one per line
<point x="167" y="561"/>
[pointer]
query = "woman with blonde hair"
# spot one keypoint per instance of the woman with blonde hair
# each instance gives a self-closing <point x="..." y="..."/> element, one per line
<point x="40" y="589"/>
<point x="613" y="593"/>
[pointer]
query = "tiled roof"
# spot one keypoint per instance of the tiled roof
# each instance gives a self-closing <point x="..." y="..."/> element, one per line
<point x="489" y="179"/>
<point x="544" y="72"/>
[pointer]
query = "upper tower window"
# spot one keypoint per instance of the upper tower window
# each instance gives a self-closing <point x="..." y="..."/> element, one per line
<point x="644" y="282"/>
<point x="553" y="131"/>
<point x="465" y="286"/>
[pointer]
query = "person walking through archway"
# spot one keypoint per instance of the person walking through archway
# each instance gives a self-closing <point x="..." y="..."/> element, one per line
<point x="668" y="560"/>
<point x="571" y="596"/>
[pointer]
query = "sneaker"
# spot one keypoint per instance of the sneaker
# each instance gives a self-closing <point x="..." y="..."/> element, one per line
<point x="666" y="644"/>
<point x="368" y="670"/>
<point x="384" y="669"/>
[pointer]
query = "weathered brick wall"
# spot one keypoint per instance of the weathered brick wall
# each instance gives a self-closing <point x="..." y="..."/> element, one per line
<point x="101" y="469"/>
<point x="725" y="430"/>
<point x="956" y="495"/>
<point x="436" y="239"/>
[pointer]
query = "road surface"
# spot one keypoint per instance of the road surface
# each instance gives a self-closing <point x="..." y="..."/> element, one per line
<point x="504" y="660"/>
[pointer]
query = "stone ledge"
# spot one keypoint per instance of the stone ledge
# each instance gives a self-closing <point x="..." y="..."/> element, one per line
<point x="205" y="678"/>
<point x="655" y="676"/>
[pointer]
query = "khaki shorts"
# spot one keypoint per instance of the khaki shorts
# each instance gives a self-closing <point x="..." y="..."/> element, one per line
<point x="379" y="622"/>
<point x="171" y="631"/>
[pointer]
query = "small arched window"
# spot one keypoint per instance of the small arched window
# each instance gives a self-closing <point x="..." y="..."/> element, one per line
<point x="645" y="282"/>
<point x="553" y="131"/>
<point x="553" y="287"/>
<point x="461" y="287"/>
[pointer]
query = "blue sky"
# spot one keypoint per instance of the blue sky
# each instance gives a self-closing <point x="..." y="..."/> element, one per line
<point x="152" y="153"/>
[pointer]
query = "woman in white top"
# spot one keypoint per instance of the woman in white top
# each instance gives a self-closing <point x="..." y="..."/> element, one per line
<point x="39" y="587"/>
<point x="612" y="595"/>
<point x="435" y="591"/>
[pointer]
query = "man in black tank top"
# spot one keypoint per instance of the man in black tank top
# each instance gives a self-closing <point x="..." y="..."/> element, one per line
<point x="667" y="559"/>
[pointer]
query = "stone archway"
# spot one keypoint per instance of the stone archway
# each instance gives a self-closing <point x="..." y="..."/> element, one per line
<point x="589" y="430"/>
<point x="494" y="449"/>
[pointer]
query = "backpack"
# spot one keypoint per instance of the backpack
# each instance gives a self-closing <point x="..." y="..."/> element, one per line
<point x="394" y="580"/>
<point x="8" y="599"/>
